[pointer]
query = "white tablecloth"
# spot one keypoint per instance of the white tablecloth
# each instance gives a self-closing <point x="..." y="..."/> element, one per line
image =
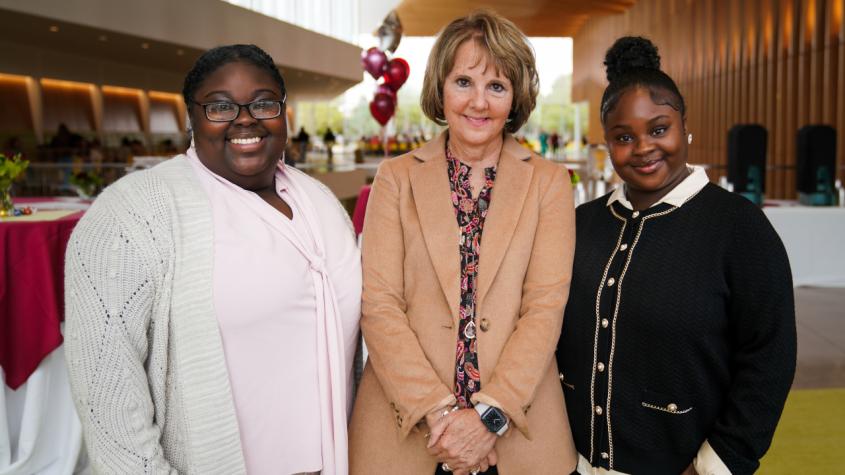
<point x="40" y="433"/>
<point x="815" y="242"/>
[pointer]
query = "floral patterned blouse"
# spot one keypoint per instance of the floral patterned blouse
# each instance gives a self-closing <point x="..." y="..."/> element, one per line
<point x="470" y="214"/>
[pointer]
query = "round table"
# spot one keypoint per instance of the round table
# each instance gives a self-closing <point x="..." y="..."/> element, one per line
<point x="32" y="252"/>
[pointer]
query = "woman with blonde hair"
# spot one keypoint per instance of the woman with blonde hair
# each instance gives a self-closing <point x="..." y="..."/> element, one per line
<point x="461" y="330"/>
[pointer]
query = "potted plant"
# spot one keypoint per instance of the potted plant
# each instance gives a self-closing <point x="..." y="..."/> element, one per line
<point x="11" y="168"/>
<point x="86" y="184"/>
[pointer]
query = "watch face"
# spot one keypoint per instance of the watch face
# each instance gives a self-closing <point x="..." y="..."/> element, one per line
<point x="494" y="419"/>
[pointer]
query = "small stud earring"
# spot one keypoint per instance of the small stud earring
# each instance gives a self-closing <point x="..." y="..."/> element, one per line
<point x="689" y="138"/>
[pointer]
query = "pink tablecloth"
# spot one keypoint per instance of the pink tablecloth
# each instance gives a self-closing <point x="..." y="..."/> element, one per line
<point x="360" y="209"/>
<point x="31" y="293"/>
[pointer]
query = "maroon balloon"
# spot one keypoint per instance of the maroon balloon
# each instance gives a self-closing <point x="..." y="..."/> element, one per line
<point x="385" y="89"/>
<point x="374" y="62"/>
<point x="382" y="107"/>
<point x="396" y="73"/>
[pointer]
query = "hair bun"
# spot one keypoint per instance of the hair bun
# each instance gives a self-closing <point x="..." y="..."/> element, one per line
<point x="629" y="53"/>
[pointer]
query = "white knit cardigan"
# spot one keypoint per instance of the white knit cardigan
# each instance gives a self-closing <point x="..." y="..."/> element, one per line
<point x="152" y="390"/>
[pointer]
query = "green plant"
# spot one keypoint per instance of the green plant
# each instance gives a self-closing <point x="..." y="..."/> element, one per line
<point x="574" y="178"/>
<point x="11" y="168"/>
<point x="86" y="183"/>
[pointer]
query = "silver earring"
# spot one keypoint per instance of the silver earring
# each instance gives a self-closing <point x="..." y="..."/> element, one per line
<point x="689" y="138"/>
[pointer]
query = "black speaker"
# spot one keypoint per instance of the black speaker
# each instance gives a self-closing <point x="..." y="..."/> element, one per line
<point x="747" y="159"/>
<point x="815" y="159"/>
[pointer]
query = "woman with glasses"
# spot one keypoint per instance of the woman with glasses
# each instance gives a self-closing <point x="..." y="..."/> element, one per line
<point x="213" y="301"/>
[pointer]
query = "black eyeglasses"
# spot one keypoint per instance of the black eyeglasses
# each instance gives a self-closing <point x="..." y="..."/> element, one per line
<point x="225" y="111"/>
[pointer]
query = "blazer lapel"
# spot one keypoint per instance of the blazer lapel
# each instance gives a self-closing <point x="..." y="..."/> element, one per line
<point x="513" y="179"/>
<point x="431" y="191"/>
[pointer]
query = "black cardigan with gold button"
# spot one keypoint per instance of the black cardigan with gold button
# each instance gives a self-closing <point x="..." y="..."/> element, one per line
<point x="680" y="328"/>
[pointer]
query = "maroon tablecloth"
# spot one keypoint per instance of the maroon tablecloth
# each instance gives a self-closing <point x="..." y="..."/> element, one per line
<point x="31" y="293"/>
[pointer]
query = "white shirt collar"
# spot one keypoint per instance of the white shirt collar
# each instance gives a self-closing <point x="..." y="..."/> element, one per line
<point x="679" y="195"/>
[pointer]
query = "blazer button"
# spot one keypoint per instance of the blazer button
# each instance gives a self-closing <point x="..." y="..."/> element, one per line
<point x="485" y="324"/>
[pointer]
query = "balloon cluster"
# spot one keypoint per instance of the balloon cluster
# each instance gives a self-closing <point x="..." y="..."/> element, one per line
<point x="394" y="72"/>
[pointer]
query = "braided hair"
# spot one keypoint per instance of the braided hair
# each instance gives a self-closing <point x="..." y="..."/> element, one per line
<point x="631" y="62"/>
<point x="214" y="58"/>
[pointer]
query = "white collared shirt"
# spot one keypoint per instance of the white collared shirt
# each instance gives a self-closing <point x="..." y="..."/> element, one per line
<point x="679" y="195"/>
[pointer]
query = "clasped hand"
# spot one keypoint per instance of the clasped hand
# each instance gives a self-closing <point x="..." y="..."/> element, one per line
<point x="462" y="441"/>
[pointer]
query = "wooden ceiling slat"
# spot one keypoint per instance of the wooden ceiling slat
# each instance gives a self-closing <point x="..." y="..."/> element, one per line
<point x="534" y="17"/>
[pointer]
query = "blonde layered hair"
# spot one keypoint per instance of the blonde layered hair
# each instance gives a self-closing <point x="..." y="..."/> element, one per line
<point x="506" y="46"/>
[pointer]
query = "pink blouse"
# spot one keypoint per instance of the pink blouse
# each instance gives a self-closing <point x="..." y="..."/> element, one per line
<point x="287" y="299"/>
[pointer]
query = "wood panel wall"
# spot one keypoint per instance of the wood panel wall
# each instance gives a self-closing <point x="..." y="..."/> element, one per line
<point x="122" y="109"/>
<point x="778" y="63"/>
<point x="15" y="116"/>
<point x="166" y="113"/>
<point x="68" y="103"/>
<point x="33" y="108"/>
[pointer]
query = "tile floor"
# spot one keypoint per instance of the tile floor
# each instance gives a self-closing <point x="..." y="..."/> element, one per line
<point x="820" y="318"/>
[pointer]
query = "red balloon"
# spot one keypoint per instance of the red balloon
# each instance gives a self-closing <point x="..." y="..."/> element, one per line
<point x="382" y="108"/>
<point x="396" y="73"/>
<point x="374" y="62"/>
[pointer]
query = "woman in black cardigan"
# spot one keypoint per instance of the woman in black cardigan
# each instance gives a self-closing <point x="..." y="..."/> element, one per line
<point x="678" y="345"/>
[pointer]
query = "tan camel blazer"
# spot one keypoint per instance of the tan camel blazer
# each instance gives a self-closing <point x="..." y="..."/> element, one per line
<point x="410" y="311"/>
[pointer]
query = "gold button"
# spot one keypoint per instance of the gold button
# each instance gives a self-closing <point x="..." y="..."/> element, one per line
<point x="611" y="281"/>
<point x="561" y="376"/>
<point x="604" y="456"/>
<point x="604" y="323"/>
<point x="485" y="324"/>
<point x="672" y="407"/>
<point x="623" y="247"/>
<point x="635" y="214"/>
<point x="600" y="367"/>
<point x="599" y="410"/>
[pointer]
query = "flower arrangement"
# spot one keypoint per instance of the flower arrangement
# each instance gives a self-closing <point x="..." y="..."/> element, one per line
<point x="573" y="177"/>
<point x="86" y="184"/>
<point x="11" y="168"/>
